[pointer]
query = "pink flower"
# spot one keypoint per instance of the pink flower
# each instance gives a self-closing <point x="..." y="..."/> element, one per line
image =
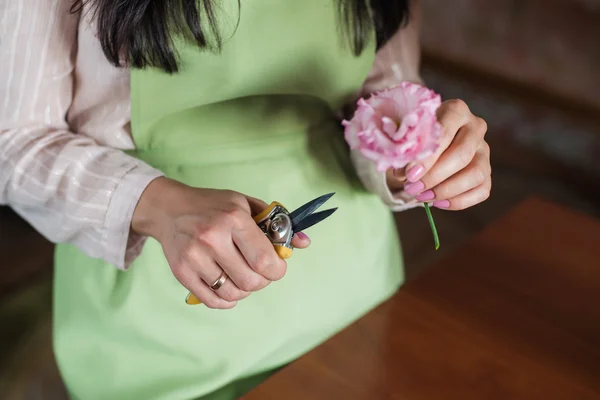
<point x="396" y="126"/>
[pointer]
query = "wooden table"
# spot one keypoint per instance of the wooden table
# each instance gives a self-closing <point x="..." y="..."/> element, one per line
<point x="513" y="314"/>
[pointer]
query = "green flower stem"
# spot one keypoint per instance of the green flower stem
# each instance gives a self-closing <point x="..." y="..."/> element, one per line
<point x="436" y="238"/>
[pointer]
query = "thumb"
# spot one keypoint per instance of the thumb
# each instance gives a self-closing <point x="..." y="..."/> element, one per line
<point x="299" y="241"/>
<point x="396" y="178"/>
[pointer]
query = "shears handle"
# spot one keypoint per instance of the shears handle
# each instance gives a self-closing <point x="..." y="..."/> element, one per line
<point x="261" y="219"/>
<point x="282" y="251"/>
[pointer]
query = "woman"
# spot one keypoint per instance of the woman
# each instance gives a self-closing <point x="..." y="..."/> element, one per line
<point x="156" y="166"/>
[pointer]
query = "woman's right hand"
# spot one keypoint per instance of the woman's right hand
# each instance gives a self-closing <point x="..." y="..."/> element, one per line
<point x="205" y="232"/>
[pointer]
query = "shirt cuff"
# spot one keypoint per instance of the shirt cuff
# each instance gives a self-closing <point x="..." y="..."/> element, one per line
<point x="376" y="182"/>
<point x="121" y="245"/>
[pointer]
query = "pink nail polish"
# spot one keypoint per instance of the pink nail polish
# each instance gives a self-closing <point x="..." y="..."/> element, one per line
<point x="414" y="174"/>
<point x="441" y="204"/>
<point x="426" y="196"/>
<point x="302" y="236"/>
<point x="414" y="188"/>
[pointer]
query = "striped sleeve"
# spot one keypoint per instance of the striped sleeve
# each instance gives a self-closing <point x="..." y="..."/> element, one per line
<point x="398" y="60"/>
<point x="66" y="185"/>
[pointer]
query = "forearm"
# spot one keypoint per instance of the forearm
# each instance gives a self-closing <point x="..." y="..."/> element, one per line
<point x="72" y="190"/>
<point x="68" y="186"/>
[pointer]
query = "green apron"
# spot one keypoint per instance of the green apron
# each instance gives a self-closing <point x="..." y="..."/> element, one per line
<point x="256" y="118"/>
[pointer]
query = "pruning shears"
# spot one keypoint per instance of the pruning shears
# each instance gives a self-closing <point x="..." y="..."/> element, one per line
<point x="280" y="226"/>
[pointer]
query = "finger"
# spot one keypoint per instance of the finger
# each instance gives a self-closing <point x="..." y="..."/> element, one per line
<point x="452" y="115"/>
<point x="209" y="271"/>
<point x="192" y="281"/>
<point x="257" y="250"/>
<point x="474" y="175"/>
<point x="460" y="154"/>
<point x="465" y="200"/>
<point x="300" y="240"/>
<point x="396" y="179"/>
<point x="446" y="165"/>
<point x="256" y="205"/>
<point x="229" y="290"/>
<point x="238" y="270"/>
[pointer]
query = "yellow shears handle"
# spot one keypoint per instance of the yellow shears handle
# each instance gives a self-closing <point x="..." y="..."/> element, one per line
<point x="282" y="251"/>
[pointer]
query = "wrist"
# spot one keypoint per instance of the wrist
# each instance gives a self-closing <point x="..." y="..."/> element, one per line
<point x="150" y="213"/>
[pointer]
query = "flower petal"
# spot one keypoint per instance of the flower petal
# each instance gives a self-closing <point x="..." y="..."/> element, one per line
<point x="389" y="126"/>
<point x="396" y="126"/>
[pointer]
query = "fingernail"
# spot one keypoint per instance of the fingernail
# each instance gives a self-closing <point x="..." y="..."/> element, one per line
<point x="441" y="204"/>
<point x="425" y="196"/>
<point x="415" y="172"/>
<point x="414" y="188"/>
<point x="302" y="236"/>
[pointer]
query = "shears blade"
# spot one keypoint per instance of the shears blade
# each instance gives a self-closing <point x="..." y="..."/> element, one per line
<point x="307" y="209"/>
<point x="312" y="219"/>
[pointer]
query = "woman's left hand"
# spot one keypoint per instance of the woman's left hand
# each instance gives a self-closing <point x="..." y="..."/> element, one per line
<point x="458" y="175"/>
